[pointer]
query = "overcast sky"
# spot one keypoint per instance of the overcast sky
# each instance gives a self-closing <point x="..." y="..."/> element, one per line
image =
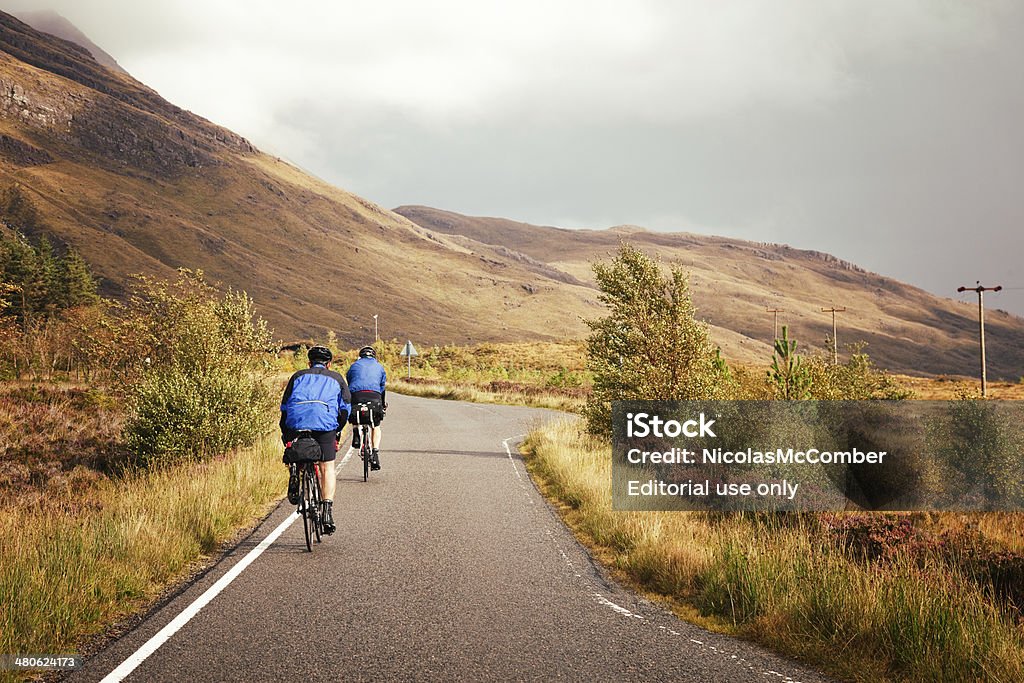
<point x="887" y="132"/>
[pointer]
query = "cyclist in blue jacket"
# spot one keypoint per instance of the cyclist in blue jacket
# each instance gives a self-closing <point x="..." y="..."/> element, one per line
<point x="368" y="381"/>
<point x="316" y="400"/>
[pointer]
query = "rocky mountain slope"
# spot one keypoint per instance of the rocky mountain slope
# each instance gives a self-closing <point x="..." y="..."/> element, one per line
<point x="141" y="186"/>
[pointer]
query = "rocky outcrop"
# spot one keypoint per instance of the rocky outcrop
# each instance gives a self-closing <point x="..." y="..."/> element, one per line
<point x="97" y="111"/>
<point x="19" y="153"/>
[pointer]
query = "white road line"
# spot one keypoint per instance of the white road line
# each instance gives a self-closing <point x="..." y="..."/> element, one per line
<point x="618" y="608"/>
<point x="509" y="452"/>
<point x="164" y="634"/>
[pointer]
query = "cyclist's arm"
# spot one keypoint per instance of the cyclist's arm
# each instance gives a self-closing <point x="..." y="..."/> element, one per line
<point x="285" y="432"/>
<point x="344" y="405"/>
<point x="383" y="386"/>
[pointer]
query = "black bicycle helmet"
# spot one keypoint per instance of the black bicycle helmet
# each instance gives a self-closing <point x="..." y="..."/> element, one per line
<point x="367" y="352"/>
<point x="320" y="354"/>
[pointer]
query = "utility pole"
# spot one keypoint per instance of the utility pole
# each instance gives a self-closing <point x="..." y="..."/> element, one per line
<point x="981" y="325"/>
<point x="776" y="311"/>
<point x="375" y="337"/>
<point x="835" y="345"/>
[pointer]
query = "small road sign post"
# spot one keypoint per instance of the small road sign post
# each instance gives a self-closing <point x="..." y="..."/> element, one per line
<point x="409" y="351"/>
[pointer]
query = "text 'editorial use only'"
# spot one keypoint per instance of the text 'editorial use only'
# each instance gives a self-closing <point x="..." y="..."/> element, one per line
<point x="818" y="455"/>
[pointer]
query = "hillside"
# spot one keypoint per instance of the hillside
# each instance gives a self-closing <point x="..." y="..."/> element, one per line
<point x="139" y="185"/>
<point x="734" y="281"/>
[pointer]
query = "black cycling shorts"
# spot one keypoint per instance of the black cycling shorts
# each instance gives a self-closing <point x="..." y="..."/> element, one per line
<point x="328" y="444"/>
<point x="376" y="407"/>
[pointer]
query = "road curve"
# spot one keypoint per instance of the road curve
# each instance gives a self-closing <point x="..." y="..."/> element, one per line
<point x="447" y="564"/>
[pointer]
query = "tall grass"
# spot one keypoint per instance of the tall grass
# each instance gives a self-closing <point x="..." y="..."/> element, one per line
<point x="785" y="581"/>
<point x="69" y="568"/>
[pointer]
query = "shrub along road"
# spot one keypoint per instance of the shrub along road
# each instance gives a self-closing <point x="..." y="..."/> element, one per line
<point x="447" y="564"/>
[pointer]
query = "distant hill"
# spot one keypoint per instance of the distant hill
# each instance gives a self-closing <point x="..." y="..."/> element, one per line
<point x="139" y="185"/>
<point x="733" y="282"/>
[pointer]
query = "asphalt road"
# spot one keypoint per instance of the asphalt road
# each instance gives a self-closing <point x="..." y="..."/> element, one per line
<point x="446" y="565"/>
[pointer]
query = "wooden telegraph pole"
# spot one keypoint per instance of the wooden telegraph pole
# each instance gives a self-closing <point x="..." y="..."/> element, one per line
<point x="981" y="325"/>
<point x="835" y="345"/>
<point x="776" y="312"/>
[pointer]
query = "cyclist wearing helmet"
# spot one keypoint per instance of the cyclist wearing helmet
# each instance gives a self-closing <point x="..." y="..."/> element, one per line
<point x="367" y="380"/>
<point x="316" y="400"/>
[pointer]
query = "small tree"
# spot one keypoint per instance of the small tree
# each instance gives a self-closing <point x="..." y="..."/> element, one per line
<point x="649" y="346"/>
<point x="78" y="284"/>
<point x="789" y="377"/>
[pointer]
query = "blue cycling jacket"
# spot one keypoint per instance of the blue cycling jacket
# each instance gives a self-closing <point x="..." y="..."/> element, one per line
<point x="366" y="374"/>
<point x="316" y="399"/>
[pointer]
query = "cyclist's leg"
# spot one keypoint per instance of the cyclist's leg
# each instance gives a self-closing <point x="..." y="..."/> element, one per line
<point x="328" y="479"/>
<point x="375" y="434"/>
<point x="328" y="447"/>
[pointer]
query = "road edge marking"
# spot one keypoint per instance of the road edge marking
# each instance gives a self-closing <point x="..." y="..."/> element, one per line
<point x="508" y="451"/>
<point x="163" y="635"/>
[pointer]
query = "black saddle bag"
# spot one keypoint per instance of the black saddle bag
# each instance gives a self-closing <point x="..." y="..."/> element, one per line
<point x="302" y="449"/>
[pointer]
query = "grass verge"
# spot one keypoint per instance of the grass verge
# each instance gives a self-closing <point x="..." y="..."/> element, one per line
<point x="72" y="566"/>
<point x="509" y="395"/>
<point x="788" y="581"/>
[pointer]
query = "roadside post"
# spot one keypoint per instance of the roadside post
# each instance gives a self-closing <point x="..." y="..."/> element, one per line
<point x="409" y="351"/>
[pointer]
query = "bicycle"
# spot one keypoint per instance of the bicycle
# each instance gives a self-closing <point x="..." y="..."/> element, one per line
<point x="364" y="421"/>
<point x="310" y="501"/>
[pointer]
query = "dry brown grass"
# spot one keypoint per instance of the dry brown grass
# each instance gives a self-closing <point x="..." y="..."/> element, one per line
<point x="947" y="388"/>
<point x="920" y="609"/>
<point x="88" y="540"/>
<point x="73" y="564"/>
<point x="55" y="440"/>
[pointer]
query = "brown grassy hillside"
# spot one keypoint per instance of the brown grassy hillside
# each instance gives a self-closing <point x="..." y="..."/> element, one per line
<point x="138" y="185"/>
<point x="733" y="281"/>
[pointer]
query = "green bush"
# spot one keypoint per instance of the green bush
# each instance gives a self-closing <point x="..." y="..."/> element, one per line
<point x="202" y="385"/>
<point x="856" y="380"/>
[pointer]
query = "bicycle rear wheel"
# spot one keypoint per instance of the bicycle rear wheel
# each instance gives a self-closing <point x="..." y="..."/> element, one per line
<point x="366" y="453"/>
<point x="318" y="520"/>
<point x="307" y="511"/>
